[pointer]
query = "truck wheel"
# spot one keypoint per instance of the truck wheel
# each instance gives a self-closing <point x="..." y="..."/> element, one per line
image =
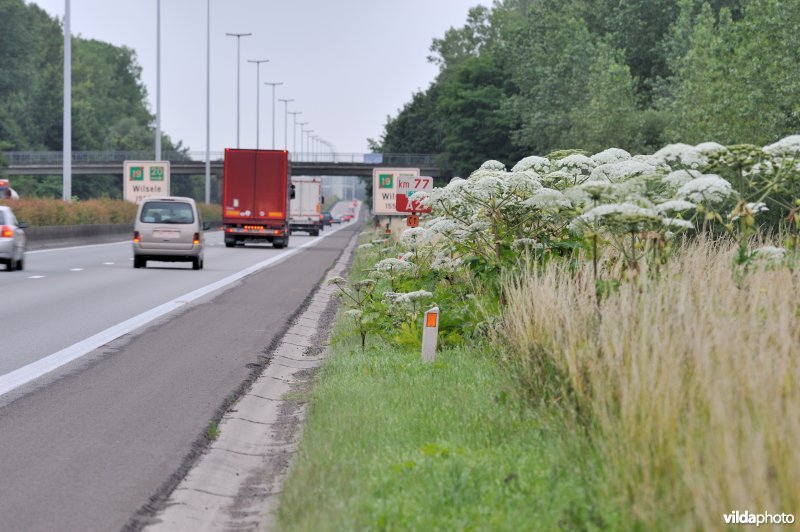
<point x="315" y="232"/>
<point x="279" y="244"/>
<point x="230" y="242"/>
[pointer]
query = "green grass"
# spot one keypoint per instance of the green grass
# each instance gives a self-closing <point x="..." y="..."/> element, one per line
<point x="394" y="444"/>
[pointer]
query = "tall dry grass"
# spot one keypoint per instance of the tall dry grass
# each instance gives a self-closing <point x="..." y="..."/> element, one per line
<point x="689" y="385"/>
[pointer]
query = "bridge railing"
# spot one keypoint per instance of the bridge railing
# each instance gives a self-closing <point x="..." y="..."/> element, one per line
<point x="23" y="158"/>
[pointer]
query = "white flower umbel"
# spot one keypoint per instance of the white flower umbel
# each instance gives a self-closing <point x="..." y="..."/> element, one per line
<point x="576" y="163"/>
<point x="547" y="199"/>
<point x="486" y="187"/>
<point x="523" y="183"/>
<point x="493" y="165"/>
<point x="414" y="234"/>
<point x="411" y="297"/>
<point x="337" y="281"/>
<point x="615" y="216"/>
<point x="540" y="165"/>
<point x="392" y="264"/>
<point x="788" y="146"/>
<point x="365" y="246"/>
<point x="354" y="313"/>
<point x="676" y="223"/>
<point x="560" y="179"/>
<point x="444" y="262"/>
<point x="444" y="226"/>
<point x="681" y="156"/>
<point x="611" y="155"/>
<point x="677" y="178"/>
<point x="709" y="189"/>
<point x="770" y="253"/>
<point x="622" y="171"/>
<point x="675" y="206"/>
<point x="597" y="189"/>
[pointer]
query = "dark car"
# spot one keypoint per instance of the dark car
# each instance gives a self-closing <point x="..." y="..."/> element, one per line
<point x="327" y="219"/>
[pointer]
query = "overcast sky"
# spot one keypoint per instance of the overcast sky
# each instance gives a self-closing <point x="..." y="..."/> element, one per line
<point x="346" y="63"/>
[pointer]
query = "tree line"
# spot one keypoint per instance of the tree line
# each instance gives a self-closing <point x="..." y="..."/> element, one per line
<point x="109" y="100"/>
<point x="534" y="76"/>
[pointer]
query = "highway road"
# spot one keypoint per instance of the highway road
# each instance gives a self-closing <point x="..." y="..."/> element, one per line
<point x="147" y="359"/>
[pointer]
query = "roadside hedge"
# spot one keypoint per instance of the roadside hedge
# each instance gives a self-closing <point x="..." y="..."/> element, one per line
<point x="45" y="211"/>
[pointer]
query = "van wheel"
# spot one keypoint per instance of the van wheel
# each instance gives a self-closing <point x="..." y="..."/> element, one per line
<point x="21" y="264"/>
<point x="139" y="262"/>
<point x="202" y="264"/>
<point x="195" y="263"/>
<point x="11" y="265"/>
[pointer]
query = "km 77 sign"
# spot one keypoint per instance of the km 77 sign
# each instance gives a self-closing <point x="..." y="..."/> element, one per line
<point x="406" y="187"/>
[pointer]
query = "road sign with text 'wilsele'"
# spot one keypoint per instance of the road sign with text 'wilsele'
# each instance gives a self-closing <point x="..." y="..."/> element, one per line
<point x="384" y="188"/>
<point x="408" y="185"/>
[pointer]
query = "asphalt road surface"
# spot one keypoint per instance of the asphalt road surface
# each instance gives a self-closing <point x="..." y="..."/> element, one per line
<point x="84" y="447"/>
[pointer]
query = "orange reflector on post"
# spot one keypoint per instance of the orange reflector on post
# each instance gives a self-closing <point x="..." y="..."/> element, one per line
<point x="431" y="319"/>
<point x="430" y="335"/>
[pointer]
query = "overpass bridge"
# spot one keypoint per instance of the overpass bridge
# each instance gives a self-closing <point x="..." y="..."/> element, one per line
<point x="193" y="163"/>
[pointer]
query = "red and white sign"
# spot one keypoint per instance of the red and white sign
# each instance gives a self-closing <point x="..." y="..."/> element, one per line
<point x="408" y="185"/>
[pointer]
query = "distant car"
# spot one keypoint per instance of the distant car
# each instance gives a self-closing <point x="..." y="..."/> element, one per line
<point x="348" y="217"/>
<point x="12" y="240"/>
<point x="168" y="229"/>
<point x="327" y="219"/>
<point x="337" y="219"/>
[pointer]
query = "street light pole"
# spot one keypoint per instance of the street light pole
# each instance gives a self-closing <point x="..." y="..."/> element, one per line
<point x="238" y="78"/>
<point x="158" y="80"/>
<point x="273" y="109"/>
<point x="302" y="125"/>
<point x="208" y="101"/>
<point x="294" y="129"/>
<point x="67" y="125"/>
<point x="285" y="121"/>
<point x="258" y="62"/>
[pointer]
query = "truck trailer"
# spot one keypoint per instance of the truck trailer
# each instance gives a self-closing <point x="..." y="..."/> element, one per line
<point x="255" y="197"/>
<point x="306" y="209"/>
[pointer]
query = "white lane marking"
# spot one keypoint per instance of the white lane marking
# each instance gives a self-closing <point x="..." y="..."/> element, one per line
<point x="21" y="376"/>
<point x="36" y="277"/>
<point x="108" y="264"/>
<point x="76" y="270"/>
<point x="76" y="247"/>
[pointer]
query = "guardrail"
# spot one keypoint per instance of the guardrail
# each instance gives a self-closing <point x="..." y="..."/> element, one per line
<point x="22" y="158"/>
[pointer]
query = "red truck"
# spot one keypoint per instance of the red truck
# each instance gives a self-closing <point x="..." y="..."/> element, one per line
<point x="255" y="197"/>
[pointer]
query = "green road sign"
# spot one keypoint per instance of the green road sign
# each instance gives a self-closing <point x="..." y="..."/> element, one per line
<point x="156" y="173"/>
<point x="137" y="173"/>
<point x="386" y="181"/>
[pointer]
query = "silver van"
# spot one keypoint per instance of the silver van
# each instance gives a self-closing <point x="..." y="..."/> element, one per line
<point x="168" y="229"/>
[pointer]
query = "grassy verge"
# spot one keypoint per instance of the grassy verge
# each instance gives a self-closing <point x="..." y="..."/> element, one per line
<point x="392" y="443"/>
<point x="688" y="383"/>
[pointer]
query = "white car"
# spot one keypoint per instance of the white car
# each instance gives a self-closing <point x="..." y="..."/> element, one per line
<point x="12" y="240"/>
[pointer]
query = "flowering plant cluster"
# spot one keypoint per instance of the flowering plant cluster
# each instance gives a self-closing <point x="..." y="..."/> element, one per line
<point x="635" y="205"/>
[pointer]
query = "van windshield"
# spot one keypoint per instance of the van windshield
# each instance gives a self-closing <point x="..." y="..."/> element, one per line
<point x="167" y="212"/>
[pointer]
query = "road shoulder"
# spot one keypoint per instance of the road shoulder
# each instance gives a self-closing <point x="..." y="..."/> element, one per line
<point x="236" y="482"/>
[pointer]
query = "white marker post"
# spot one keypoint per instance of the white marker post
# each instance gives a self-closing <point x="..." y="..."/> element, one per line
<point x="430" y="335"/>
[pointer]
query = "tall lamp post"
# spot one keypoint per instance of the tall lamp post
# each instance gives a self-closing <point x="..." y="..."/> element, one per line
<point x="158" y="80"/>
<point x="302" y="125"/>
<point x="67" y="125"/>
<point x="294" y="129"/>
<point x="238" y="77"/>
<point x="273" y="109"/>
<point x="258" y="62"/>
<point x="208" y="101"/>
<point x="285" y="120"/>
